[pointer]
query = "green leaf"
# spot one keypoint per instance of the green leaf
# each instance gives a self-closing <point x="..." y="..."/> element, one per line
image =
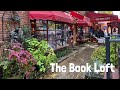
<point x="39" y="63"/>
<point x="38" y="50"/>
<point x="4" y="67"/>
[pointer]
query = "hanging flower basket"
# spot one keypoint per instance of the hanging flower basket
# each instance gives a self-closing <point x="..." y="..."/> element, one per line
<point x="16" y="18"/>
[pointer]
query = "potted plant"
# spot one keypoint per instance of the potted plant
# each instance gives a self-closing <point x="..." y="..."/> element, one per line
<point x="16" y="18"/>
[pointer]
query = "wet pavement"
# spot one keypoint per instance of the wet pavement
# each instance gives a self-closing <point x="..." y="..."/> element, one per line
<point x="81" y="57"/>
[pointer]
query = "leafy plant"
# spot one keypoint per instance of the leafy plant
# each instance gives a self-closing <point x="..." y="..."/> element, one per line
<point x="16" y="18"/>
<point x="20" y="34"/>
<point x="26" y="31"/>
<point x="20" y="62"/>
<point x="100" y="53"/>
<point x="43" y="54"/>
<point x="62" y="53"/>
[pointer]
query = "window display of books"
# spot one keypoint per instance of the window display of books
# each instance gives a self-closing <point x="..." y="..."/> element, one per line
<point x="42" y="35"/>
<point x="57" y="33"/>
<point x="41" y="25"/>
<point x="61" y="43"/>
<point x="51" y="25"/>
<point x="51" y="35"/>
<point x="52" y="43"/>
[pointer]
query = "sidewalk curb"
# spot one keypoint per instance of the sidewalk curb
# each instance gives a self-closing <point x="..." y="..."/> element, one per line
<point x="74" y="52"/>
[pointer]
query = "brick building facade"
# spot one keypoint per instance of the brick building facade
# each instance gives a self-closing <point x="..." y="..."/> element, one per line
<point x="24" y="20"/>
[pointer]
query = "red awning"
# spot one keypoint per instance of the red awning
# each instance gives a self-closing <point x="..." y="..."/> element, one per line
<point x="97" y="17"/>
<point x="118" y="20"/>
<point x="76" y="15"/>
<point x="52" y="15"/>
<point x="82" y="23"/>
<point x="81" y="20"/>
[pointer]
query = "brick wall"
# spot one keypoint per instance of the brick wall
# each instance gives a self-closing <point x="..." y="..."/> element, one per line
<point x="23" y="17"/>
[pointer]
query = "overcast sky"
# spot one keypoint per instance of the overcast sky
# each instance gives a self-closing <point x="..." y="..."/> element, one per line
<point x="116" y="13"/>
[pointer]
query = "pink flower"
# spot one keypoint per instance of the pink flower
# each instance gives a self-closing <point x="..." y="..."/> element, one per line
<point x="24" y="61"/>
<point x="13" y="54"/>
<point x="33" y="68"/>
<point x="16" y="46"/>
<point x="27" y="75"/>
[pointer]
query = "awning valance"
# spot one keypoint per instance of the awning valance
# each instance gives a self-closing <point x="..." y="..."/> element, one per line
<point x="52" y="15"/>
<point x="80" y="19"/>
<point x="98" y="17"/>
<point x="76" y="15"/>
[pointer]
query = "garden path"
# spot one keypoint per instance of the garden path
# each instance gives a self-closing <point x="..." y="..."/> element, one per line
<point x="80" y="58"/>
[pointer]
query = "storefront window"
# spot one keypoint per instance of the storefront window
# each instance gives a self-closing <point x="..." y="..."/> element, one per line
<point x="42" y="35"/>
<point x="57" y="33"/>
<point x="51" y="35"/>
<point x="41" y="30"/>
<point x="52" y="44"/>
<point x="62" y="31"/>
<point x="61" y="43"/>
<point x="59" y="26"/>
<point x="51" y="25"/>
<point x="41" y="25"/>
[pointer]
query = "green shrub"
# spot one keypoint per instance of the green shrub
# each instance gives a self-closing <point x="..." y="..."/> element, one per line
<point x="18" y="64"/>
<point x="26" y="31"/>
<point x="41" y="52"/>
<point x="100" y="53"/>
<point x="19" y="34"/>
<point x="62" y="53"/>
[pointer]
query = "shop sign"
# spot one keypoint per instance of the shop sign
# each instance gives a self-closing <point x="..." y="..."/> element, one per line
<point x="107" y="18"/>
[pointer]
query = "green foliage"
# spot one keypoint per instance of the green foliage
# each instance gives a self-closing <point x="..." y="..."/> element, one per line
<point x="9" y="68"/>
<point x="20" y="34"/>
<point x="18" y="63"/>
<point x="62" y="53"/>
<point x="26" y="31"/>
<point x="100" y="53"/>
<point x="41" y="52"/>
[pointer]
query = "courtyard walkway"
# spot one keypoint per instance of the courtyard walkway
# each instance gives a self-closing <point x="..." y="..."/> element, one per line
<point x="81" y="57"/>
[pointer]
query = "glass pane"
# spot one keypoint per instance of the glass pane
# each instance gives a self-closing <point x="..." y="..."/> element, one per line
<point x="41" y="25"/>
<point x="61" y="34"/>
<point x="66" y="29"/>
<point x="59" y="26"/>
<point x="51" y="25"/>
<point x="51" y="35"/>
<point x="52" y="44"/>
<point x="41" y="35"/>
<point x="61" y="43"/>
<point x="65" y="33"/>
